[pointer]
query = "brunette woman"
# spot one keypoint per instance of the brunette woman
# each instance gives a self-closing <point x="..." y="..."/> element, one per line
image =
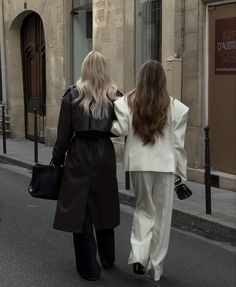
<point x="88" y="197"/>
<point x="155" y="126"/>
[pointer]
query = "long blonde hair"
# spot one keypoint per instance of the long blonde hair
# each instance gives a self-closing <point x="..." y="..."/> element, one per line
<point x="95" y="86"/>
<point x="149" y="102"/>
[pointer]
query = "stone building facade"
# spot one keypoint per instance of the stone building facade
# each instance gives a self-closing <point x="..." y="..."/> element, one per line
<point x="127" y="32"/>
<point x="210" y="93"/>
<point x="54" y="19"/>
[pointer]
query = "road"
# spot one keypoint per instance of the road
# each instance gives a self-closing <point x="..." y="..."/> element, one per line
<point x="32" y="254"/>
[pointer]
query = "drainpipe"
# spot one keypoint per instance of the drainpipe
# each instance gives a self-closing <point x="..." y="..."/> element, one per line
<point x="3" y="59"/>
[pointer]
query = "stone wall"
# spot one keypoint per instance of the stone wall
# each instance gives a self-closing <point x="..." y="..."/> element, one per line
<point x="129" y="45"/>
<point x="189" y="46"/>
<point x="113" y="22"/>
<point x="52" y="15"/>
<point x="108" y="35"/>
<point x="168" y="32"/>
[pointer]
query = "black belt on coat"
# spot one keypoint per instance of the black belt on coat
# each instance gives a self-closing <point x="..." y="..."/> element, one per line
<point x="92" y="134"/>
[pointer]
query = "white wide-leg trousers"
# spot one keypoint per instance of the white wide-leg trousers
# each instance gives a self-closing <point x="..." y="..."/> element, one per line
<point x="152" y="220"/>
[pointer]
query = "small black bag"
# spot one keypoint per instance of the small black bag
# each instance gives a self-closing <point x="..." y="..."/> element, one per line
<point x="181" y="189"/>
<point x="46" y="181"/>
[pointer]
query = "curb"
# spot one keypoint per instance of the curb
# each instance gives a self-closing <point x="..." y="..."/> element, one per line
<point x="10" y="160"/>
<point x="192" y="223"/>
<point x="180" y="220"/>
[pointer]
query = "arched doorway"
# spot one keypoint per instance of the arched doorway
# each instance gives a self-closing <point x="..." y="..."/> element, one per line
<point x="34" y="74"/>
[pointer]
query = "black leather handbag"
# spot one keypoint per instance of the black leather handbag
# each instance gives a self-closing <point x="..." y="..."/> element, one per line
<point x="181" y="189"/>
<point x="46" y="181"/>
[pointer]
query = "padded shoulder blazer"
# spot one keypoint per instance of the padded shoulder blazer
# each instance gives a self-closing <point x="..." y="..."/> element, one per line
<point x="167" y="154"/>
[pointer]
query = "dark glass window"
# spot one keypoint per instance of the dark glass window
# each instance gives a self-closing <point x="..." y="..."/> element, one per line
<point x="81" y="36"/>
<point x="148" y="31"/>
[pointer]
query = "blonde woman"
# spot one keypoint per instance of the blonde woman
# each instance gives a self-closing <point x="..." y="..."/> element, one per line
<point x="88" y="195"/>
<point x="155" y="126"/>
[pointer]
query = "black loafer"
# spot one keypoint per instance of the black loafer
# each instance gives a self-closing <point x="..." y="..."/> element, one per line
<point x="107" y="266"/>
<point x="90" y="278"/>
<point x="138" y="268"/>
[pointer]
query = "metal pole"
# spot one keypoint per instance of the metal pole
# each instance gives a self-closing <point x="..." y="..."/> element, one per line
<point x="35" y="136"/>
<point x="127" y="177"/>
<point x="4" y="130"/>
<point x="127" y="180"/>
<point x="207" y="171"/>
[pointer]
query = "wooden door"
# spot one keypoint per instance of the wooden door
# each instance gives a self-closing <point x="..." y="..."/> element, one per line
<point x="34" y="74"/>
<point x="222" y="87"/>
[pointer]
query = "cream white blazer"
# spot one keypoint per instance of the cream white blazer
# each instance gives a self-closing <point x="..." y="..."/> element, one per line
<point x="167" y="154"/>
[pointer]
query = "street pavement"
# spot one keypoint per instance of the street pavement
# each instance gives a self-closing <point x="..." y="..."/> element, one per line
<point x="188" y="214"/>
<point x="32" y="254"/>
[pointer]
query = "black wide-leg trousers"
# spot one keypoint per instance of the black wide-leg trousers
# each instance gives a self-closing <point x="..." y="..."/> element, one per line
<point x="85" y="246"/>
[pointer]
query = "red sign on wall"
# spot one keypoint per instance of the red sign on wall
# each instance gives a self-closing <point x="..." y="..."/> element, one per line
<point x="225" y="46"/>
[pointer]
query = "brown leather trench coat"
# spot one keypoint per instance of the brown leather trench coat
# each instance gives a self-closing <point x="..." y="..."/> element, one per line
<point x="89" y="177"/>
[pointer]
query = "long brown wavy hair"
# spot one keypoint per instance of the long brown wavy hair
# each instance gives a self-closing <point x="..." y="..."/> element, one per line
<point x="149" y="102"/>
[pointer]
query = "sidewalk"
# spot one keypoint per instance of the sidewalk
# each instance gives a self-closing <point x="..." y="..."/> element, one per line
<point x="187" y="214"/>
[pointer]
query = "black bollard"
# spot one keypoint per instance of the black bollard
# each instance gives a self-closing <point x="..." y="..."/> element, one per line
<point x="127" y="180"/>
<point x="35" y="136"/>
<point x="4" y="130"/>
<point x="207" y="172"/>
<point x="127" y="176"/>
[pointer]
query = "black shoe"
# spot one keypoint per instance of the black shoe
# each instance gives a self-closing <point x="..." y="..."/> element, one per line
<point x="138" y="268"/>
<point x="107" y="266"/>
<point x="90" y="278"/>
<point x="93" y="277"/>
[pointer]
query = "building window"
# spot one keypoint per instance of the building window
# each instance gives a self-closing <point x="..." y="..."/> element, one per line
<point x="148" y="31"/>
<point x="82" y="34"/>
